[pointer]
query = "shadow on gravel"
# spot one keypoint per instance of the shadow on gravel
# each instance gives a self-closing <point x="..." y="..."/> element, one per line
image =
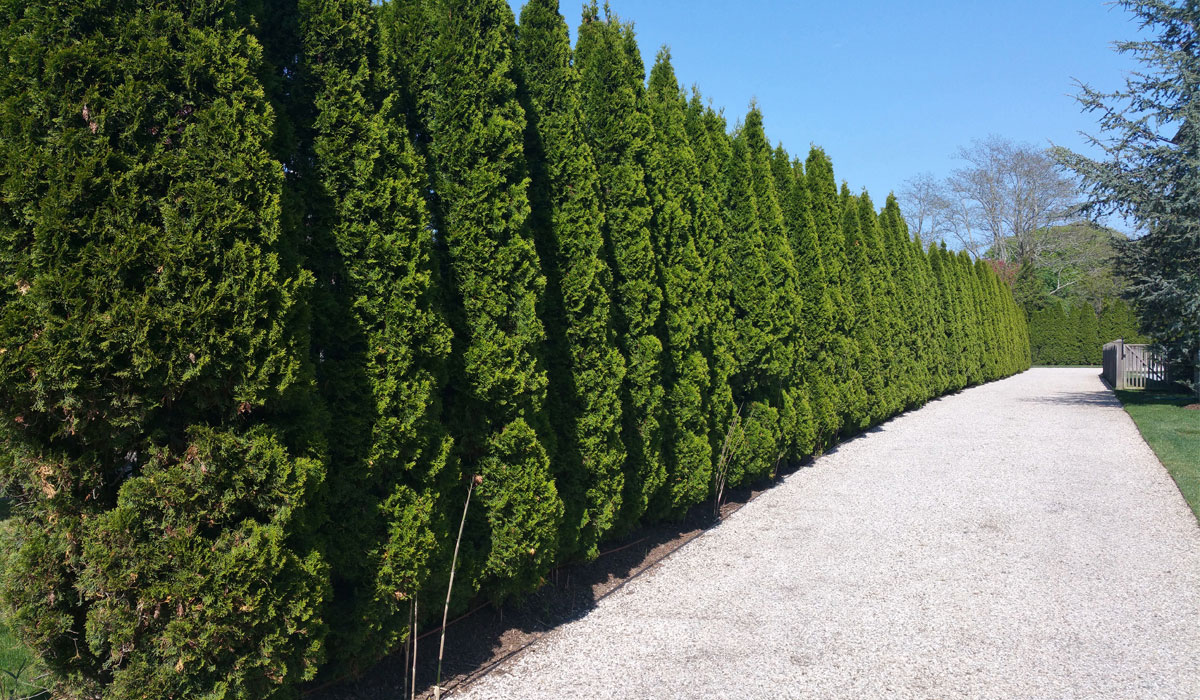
<point x="489" y="635"/>
<point x="847" y="441"/>
<point x="1076" y="398"/>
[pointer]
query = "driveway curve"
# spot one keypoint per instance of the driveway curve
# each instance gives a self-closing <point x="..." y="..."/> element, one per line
<point x="1015" y="540"/>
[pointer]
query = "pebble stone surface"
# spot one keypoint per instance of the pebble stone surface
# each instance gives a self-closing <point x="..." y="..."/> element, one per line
<point x="1015" y="540"/>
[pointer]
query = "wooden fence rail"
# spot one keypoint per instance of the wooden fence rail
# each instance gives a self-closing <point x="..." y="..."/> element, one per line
<point x="1132" y="366"/>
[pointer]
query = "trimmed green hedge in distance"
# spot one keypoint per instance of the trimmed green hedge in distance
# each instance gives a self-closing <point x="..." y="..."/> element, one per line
<point x="1074" y="336"/>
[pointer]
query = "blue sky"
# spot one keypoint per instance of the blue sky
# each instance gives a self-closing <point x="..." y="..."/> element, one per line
<point x="890" y="89"/>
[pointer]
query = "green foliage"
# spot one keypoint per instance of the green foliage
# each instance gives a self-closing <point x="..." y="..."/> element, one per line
<point x="828" y="218"/>
<point x="1087" y="332"/>
<point x="816" y="359"/>
<point x="1149" y="174"/>
<point x="711" y="147"/>
<point x="898" y="254"/>
<point x="863" y="330"/>
<point x="617" y="131"/>
<point x="157" y="404"/>
<point x="585" y="365"/>
<point x="277" y="277"/>
<point x="1119" y="322"/>
<point x="380" y="342"/>
<point x="481" y="187"/>
<point x="673" y="185"/>
<point x="784" y="384"/>
<point x="756" y="378"/>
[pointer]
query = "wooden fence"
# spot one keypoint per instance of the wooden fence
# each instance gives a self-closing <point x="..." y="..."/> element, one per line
<point x="1132" y="366"/>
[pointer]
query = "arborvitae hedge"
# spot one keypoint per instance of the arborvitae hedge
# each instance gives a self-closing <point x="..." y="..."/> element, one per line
<point x="1075" y="335"/>
<point x="617" y="132"/>
<point x="585" y="366"/>
<point x="157" y="406"/>
<point x="277" y="278"/>
<point x="381" y="343"/>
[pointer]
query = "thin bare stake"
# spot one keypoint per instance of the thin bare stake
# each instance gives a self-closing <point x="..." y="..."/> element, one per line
<point x="415" y="638"/>
<point x="437" y="686"/>
<point x="408" y="650"/>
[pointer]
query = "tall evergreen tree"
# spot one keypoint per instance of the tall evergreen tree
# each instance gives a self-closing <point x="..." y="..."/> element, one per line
<point x="983" y="275"/>
<point x="887" y="314"/>
<point x="711" y="146"/>
<point x="797" y="435"/>
<point x="928" y="358"/>
<point x="1087" y="331"/>
<point x="673" y="184"/>
<point x="940" y="350"/>
<point x="477" y="129"/>
<point x="868" y="254"/>
<point x="618" y="132"/>
<point x="860" y="296"/>
<point x="816" y="308"/>
<point x="756" y="381"/>
<point x="827" y="217"/>
<point x="948" y="321"/>
<point x="968" y="287"/>
<point x="898" y="252"/>
<point x="157" y="407"/>
<point x="586" y="367"/>
<point x="382" y="345"/>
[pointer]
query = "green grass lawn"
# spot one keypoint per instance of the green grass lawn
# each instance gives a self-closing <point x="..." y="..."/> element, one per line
<point x="1174" y="434"/>
<point x="21" y="675"/>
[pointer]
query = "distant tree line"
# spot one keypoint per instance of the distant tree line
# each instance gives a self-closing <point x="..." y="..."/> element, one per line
<point x="281" y="278"/>
<point x="1074" y="334"/>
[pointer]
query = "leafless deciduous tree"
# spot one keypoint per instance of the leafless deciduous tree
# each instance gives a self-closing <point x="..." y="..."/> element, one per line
<point x="1002" y="196"/>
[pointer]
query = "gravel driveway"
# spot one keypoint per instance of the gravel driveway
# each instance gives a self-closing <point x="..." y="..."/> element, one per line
<point x="1016" y="540"/>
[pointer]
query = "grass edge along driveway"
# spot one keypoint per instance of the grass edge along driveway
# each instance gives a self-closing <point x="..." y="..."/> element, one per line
<point x="1173" y="432"/>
